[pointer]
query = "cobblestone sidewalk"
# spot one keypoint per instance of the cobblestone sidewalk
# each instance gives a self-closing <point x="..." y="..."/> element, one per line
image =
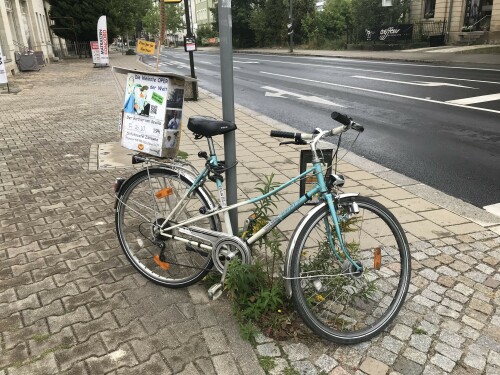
<point x="69" y="301"/>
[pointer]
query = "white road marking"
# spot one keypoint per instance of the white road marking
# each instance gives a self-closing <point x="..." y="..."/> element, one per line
<point x="246" y="62"/>
<point x="417" y="83"/>
<point x="493" y="208"/>
<point x="205" y="62"/>
<point x="475" y="99"/>
<point x="385" y="72"/>
<point x="278" y="93"/>
<point x="381" y="92"/>
<point x="402" y="63"/>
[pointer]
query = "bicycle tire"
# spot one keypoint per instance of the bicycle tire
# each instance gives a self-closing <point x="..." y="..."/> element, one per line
<point x="334" y="301"/>
<point x="136" y="221"/>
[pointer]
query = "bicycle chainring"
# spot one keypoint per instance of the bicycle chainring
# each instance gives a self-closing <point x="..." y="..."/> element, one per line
<point x="230" y="245"/>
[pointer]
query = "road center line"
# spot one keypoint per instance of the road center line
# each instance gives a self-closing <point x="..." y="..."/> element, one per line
<point x="381" y="92"/>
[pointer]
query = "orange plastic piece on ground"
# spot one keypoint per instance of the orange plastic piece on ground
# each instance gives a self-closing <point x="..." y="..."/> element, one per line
<point x="164" y="192"/>
<point x="377" y="258"/>
<point x="161" y="264"/>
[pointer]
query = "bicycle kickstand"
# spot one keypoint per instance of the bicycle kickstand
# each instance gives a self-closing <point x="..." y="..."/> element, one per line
<point x="215" y="291"/>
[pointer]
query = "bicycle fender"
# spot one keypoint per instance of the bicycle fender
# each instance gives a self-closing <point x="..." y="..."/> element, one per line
<point x="293" y="241"/>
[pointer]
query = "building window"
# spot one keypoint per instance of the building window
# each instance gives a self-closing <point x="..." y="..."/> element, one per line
<point x="430" y="7"/>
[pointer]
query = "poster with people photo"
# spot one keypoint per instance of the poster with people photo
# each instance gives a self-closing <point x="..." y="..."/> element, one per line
<point x="147" y="125"/>
<point x="176" y="94"/>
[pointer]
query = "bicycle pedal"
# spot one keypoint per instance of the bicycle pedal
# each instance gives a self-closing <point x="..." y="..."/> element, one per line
<point x="215" y="291"/>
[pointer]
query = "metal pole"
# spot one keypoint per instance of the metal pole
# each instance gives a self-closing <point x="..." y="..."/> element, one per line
<point x="227" y="86"/>
<point x="290" y="22"/>
<point x="191" y="57"/>
<point x="162" y="31"/>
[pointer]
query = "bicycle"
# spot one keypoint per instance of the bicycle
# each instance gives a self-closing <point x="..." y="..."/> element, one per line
<point x="347" y="267"/>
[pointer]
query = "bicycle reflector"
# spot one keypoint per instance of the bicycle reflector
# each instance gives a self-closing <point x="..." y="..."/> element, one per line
<point x="118" y="184"/>
<point x="377" y="258"/>
<point x="164" y="192"/>
<point x="161" y="264"/>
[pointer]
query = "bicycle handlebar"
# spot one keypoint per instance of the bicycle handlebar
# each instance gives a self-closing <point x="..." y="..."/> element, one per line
<point x="299" y="138"/>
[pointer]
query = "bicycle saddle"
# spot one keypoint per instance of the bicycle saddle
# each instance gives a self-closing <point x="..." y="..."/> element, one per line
<point x="209" y="126"/>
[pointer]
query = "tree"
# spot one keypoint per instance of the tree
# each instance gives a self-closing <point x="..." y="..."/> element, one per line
<point x="174" y="14"/>
<point x="78" y="20"/>
<point x="302" y="10"/>
<point x="127" y="14"/>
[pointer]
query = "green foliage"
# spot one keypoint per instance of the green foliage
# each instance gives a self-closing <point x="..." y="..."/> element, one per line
<point x="78" y="20"/>
<point x="256" y="293"/>
<point x="267" y="363"/>
<point x="290" y="371"/>
<point x="174" y="14"/>
<point x="130" y="52"/>
<point x="182" y="155"/>
<point x="204" y="31"/>
<point x="248" y="332"/>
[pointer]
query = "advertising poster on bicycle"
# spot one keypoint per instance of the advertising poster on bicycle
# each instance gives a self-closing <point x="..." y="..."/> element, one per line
<point x="152" y="113"/>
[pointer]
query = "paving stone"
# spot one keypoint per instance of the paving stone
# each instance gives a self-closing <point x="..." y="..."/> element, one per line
<point x="373" y="367"/>
<point x="449" y="351"/>
<point x="268" y="350"/>
<point x="296" y="352"/>
<point x="443" y="362"/>
<point x="475" y="361"/>
<point x="402" y="332"/>
<point x="420" y="342"/>
<point x="326" y="363"/>
<point x="304" y="368"/>
<point x="216" y="341"/>
<point x="280" y="365"/>
<point x="407" y="367"/>
<point x="392" y="344"/>
<point x="225" y="364"/>
<point x="415" y="356"/>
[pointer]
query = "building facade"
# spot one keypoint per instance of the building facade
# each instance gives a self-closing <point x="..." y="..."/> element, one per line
<point x="24" y="25"/>
<point x="202" y="13"/>
<point x="477" y="20"/>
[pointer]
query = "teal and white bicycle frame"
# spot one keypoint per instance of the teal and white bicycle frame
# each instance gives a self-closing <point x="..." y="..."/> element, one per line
<point x="319" y="188"/>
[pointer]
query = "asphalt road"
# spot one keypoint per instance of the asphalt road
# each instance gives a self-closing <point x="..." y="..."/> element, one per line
<point x="437" y="124"/>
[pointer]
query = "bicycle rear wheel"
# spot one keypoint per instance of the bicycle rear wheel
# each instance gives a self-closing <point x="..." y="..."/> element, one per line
<point x="144" y="203"/>
<point x="334" y="300"/>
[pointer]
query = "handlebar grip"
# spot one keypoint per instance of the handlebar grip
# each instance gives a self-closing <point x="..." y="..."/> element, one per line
<point x="357" y="127"/>
<point x="343" y="119"/>
<point x="281" y="134"/>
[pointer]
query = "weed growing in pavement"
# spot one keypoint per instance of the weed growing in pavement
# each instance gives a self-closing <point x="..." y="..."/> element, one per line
<point x="267" y="363"/>
<point x="256" y="290"/>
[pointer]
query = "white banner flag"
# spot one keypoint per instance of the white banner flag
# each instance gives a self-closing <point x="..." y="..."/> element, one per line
<point x="3" y="71"/>
<point x="102" y="38"/>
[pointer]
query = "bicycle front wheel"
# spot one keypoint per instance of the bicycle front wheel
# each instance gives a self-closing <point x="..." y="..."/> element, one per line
<point x="336" y="300"/>
<point x="144" y="204"/>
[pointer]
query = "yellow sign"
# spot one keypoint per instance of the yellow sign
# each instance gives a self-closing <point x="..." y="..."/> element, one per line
<point x="172" y="1"/>
<point x="143" y="46"/>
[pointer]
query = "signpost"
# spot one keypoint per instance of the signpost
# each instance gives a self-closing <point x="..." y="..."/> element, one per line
<point x="227" y="86"/>
<point x="94" y="47"/>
